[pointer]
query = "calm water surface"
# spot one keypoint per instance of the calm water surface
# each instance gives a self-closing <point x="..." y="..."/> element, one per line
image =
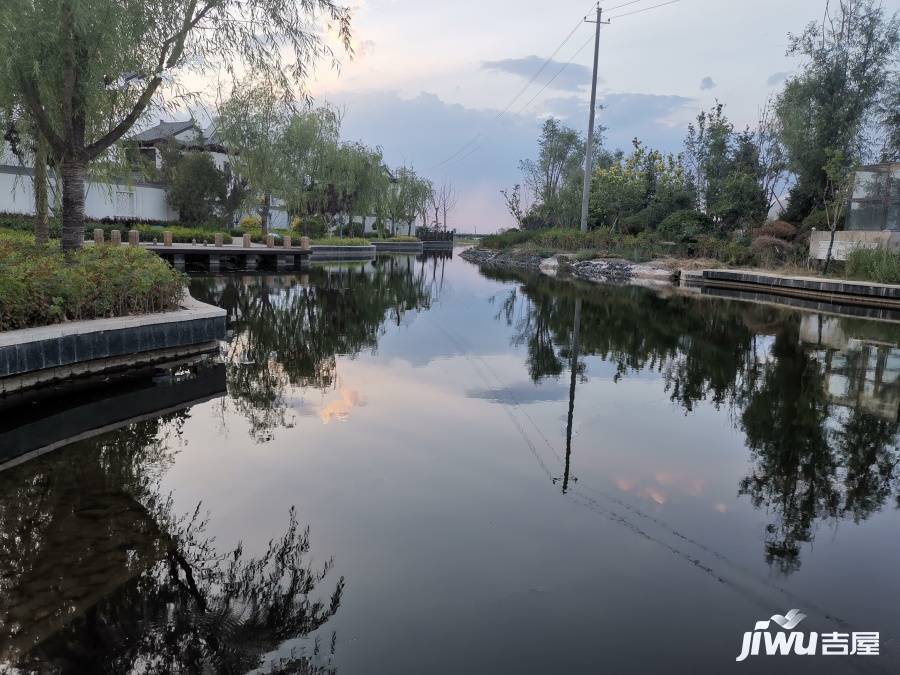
<point x="422" y="468"/>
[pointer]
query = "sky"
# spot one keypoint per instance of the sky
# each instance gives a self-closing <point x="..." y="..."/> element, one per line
<point x="430" y="81"/>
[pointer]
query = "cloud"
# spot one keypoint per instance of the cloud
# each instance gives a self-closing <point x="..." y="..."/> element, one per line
<point x="571" y="77"/>
<point x="658" y="120"/>
<point x="522" y="393"/>
<point x="708" y="83"/>
<point x="777" y="78"/>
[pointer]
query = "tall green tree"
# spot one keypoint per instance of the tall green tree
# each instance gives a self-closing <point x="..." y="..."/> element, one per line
<point x="89" y="70"/>
<point x="197" y="188"/>
<point x="556" y="173"/>
<point x="826" y="109"/>
<point x="306" y="146"/>
<point x="251" y="123"/>
<point x="408" y="193"/>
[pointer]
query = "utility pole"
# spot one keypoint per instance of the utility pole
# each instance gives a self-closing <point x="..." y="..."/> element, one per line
<point x="588" y="150"/>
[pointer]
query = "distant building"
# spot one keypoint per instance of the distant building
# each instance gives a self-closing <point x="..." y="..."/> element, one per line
<point x="875" y="202"/>
<point x="873" y="215"/>
<point x="187" y="136"/>
<point x="142" y="198"/>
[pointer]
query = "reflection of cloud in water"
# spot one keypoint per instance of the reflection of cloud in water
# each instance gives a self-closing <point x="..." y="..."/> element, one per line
<point x="524" y="392"/>
<point x="660" y="487"/>
<point x="339" y="410"/>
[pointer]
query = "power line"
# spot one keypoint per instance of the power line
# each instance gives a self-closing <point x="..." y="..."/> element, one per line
<point x="646" y="9"/>
<point x="624" y="4"/>
<point x="515" y="98"/>
<point x="558" y="73"/>
<point x="473" y="145"/>
<point x="533" y="98"/>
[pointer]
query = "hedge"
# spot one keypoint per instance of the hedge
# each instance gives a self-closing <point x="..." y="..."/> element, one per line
<point x="39" y="285"/>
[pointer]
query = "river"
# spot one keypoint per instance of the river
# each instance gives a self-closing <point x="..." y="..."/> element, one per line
<point x="413" y="466"/>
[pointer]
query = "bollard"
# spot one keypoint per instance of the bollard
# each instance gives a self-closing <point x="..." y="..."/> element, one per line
<point x="270" y="241"/>
<point x="304" y="243"/>
<point x="115" y="237"/>
<point x="134" y="238"/>
<point x="247" y="241"/>
<point x="167" y="238"/>
<point x="220" y="240"/>
<point x="98" y="236"/>
<point x="287" y="241"/>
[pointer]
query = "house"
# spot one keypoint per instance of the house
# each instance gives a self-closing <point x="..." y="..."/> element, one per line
<point x="873" y="215"/>
<point x="875" y="202"/>
<point x="187" y="136"/>
<point x="140" y="197"/>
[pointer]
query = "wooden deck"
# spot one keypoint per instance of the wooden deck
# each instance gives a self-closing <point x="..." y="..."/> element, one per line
<point x="251" y="258"/>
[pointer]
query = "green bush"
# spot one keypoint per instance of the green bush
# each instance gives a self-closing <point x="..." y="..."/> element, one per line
<point x="337" y="241"/>
<point x="685" y="225"/>
<point x="250" y="222"/>
<point x="508" y="239"/>
<point x="877" y="265"/>
<point x="40" y="286"/>
<point x="731" y="251"/>
<point x="310" y="226"/>
<point x="374" y="236"/>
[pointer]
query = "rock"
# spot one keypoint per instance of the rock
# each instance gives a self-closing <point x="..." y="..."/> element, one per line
<point x="614" y="271"/>
<point x="550" y="266"/>
<point x="607" y="271"/>
<point x="515" y="260"/>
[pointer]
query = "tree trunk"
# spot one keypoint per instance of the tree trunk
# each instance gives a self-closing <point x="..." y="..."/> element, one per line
<point x="264" y="214"/>
<point x="41" y="203"/>
<point x="830" y="249"/>
<point x="74" y="172"/>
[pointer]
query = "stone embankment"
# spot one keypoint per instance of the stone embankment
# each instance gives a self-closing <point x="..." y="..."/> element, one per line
<point x="605" y="270"/>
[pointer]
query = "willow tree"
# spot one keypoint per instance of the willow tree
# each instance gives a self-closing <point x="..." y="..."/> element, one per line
<point x="89" y="70"/>
<point x="251" y="124"/>
<point x="409" y="197"/>
<point x="357" y="175"/>
<point x="305" y="147"/>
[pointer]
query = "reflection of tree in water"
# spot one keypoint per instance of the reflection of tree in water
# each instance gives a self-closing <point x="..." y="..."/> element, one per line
<point x="813" y="459"/>
<point x="289" y="330"/>
<point x="101" y="576"/>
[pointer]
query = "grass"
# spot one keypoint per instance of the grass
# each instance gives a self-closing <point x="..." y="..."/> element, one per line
<point x="40" y="286"/>
<point x="876" y="265"/>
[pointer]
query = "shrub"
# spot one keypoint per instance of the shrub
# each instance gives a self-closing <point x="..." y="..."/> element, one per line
<point x="196" y="187"/>
<point x="731" y="251"/>
<point x="310" y="226"/>
<point x="337" y="241"/>
<point x="778" y="229"/>
<point x="633" y="224"/>
<point x="685" y="225"/>
<point x="250" y="222"/>
<point x="40" y="286"/>
<point x="771" y="250"/>
<point x="877" y="265"/>
<point x="560" y="239"/>
<point x="818" y="220"/>
<point x="508" y="239"/>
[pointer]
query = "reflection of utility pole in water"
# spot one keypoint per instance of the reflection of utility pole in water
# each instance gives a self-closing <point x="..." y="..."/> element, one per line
<point x="573" y="367"/>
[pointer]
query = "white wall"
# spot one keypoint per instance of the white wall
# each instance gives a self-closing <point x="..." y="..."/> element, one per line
<point x="102" y="200"/>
